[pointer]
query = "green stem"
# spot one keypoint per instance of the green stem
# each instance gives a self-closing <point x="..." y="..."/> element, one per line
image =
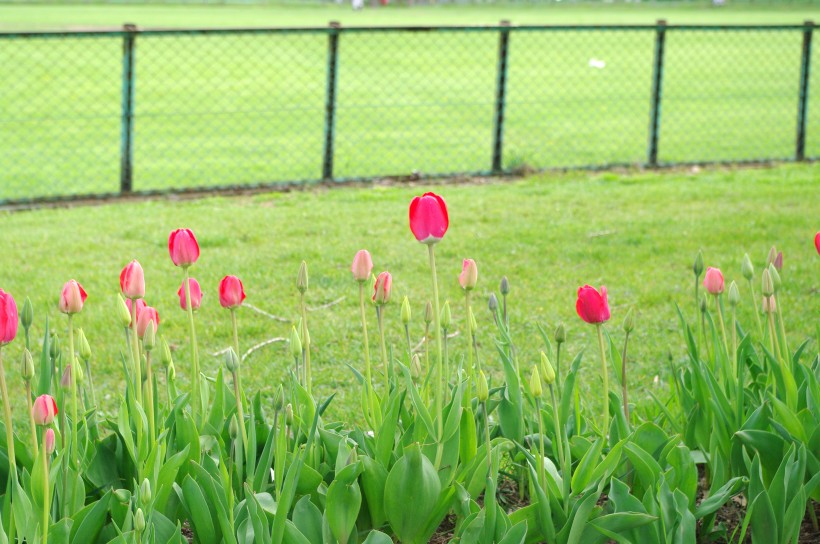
<point x="75" y="421"/>
<point x="542" y="480"/>
<point x="756" y="310"/>
<point x="487" y="437"/>
<point x="46" y="490"/>
<point x="785" y="345"/>
<point x="240" y="412"/>
<point x="439" y="365"/>
<point x="93" y="393"/>
<point x="7" y="415"/>
<point x="446" y="362"/>
<point x="135" y="352"/>
<point x="306" y="344"/>
<point x="605" y="376"/>
<point x="562" y="458"/>
<point x="623" y="381"/>
<point x="734" y="343"/>
<point x="773" y="338"/>
<point x="469" y="334"/>
<point x="383" y="347"/>
<point x="722" y="328"/>
<point x="149" y="397"/>
<point x="31" y="418"/>
<point x="426" y="361"/>
<point x="197" y="400"/>
<point x="238" y="376"/>
<point x="368" y="374"/>
<point x="558" y="380"/>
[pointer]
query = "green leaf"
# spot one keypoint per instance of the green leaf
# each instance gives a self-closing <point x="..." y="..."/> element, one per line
<point x="718" y="498"/>
<point x="308" y="519"/>
<point x="583" y="473"/>
<point x="201" y="515"/>
<point x="89" y="521"/>
<point x="377" y="537"/>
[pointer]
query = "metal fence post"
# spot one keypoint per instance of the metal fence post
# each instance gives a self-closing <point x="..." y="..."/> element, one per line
<point x="330" y="99"/>
<point x="127" y="122"/>
<point x="803" y="97"/>
<point x="500" y="96"/>
<point x="657" y="93"/>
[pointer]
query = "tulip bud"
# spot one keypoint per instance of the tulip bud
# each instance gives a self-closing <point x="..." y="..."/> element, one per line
<point x="172" y="372"/>
<point x="123" y="313"/>
<point x="504" y="286"/>
<point x="446" y="317"/>
<point x="769" y="304"/>
<point x="139" y="521"/>
<point x="535" y="383"/>
<point x="362" y="265"/>
<point x="482" y="390"/>
<point x="492" y="304"/>
<point x="697" y="267"/>
<point x="405" y="311"/>
<point x="279" y="399"/>
<point x="27" y="370"/>
<point x="150" y="337"/>
<point x="50" y="441"/>
<point x="428" y="313"/>
<point x="778" y="261"/>
<point x="473" y="322"/>
<point x="768" y="286"/>
<point x="629" y="321"/>
<point x="27" y="314"/>
<point x="231" y="292"/>
<point x="78" y="371"/>
<point x="469" y="275"/>
<point x="72" y="297"/>
<point x="54" y="346"/>
<point x="231" y="360"/>
<point x="713" y="281"/>
<point x="183" y="247"/>
<point x="547" y="370"/>
<point x="145" y="492"/>
<point x="44" y="410"/>
<point x="295" y="343"/>
<point x="776" y="283"/>
<point x="65" y="381"/>
<point x="122" y="495"/>
<point x="703" y="307"/>
<point x="289" y="414"/>
<point x="85" y="347"/>
<point x="772" y="256"/>
<point x="415" y="366"/>
<point x="747" y="268"/>
<point x="233" y="428"/>
<point x="302" y="278"/>
<point x="165" y="353"/>
<point x="560" y="333"/>
<point x="382" y="288"/>
<point x="734" y="294"/>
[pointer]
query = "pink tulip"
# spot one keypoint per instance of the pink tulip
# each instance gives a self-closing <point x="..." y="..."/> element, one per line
<point x="382" y="288"/>
<point x="196" y="294"/>
<point x="44" y="410"/>
<point x="713" y="281"/>
<point x="231" y="292"/>
<point x="50" y="443"/>
<point x="428" y="218"/>
<point x="8" y="318"/>
<point x="183" y="247"/>
<point x="778" y="261"/>
<point x="591" y="305"/>
<point x="769" y="304"/>
<point x="817" y="242"/>
<point x="140" y="306"/>
<point x="72" y="298"/>
<point x="362" y="265"/>
<point x="146" y="316"/>
<point x="469" y="275"/>
<point x="132" y="280"/>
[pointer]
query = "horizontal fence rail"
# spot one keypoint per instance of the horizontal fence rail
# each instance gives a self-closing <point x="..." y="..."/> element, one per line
<point x="107" y="112"/>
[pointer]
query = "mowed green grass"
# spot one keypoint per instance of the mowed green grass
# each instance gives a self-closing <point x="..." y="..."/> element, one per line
<point x="636" y="233"/>
<point x="237" y="109"/>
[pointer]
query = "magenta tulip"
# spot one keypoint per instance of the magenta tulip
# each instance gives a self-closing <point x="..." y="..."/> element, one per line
<point x="428" y="218"/>
<point x="362" y="265"/>
<point x="72" y="297"/>
<point x="713" y="281"/>
<point x="469" y="275"/>
<point x="382" y="288"/>
<point x="8" y="318"/>
<point x="183" y="247"/>
<point x="196" y="294"/>
<point x="817" y="242"/>
<point x="591" y="305"/>
<point x="146" y="316"/>
<point x="231" y="292"/>
<point x="132" y="280"/>
<point x="44" y="410"/>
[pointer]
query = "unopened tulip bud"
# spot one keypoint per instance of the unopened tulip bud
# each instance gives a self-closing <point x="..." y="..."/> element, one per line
<point x="769" y="304"/>
<point x="72" y="298"/>
<point x="289" y="414"/>
<point x="734" y="294"/>
<point x="145" y="492"/>
<point x="713" y="281"/>
<point x="231" y="360"/>
<point x="778" y="261"/>
<point x="405" y="311"/>
<point x="772" y="256"/>
<point x="697" y="267"/>
<point x="78" y="371"/>
<point x="547" y="370"/>
<point x="122" y="495"/>
<point x="482" y="390"/>
<point x="233" y="428"/>
<point x="306" y="340"/>
<point x="44" y="410"/>
<point x="362" y="265"/>
<point x="65" y="381"/>
<point x="150" y="337"/>
<point x="279" y="399"/>
<point x="165" y="353"/>
<point x="535" y="383"/>
<point x="382" y="288"/>
<point x="560" y="333"/>
<point x="27" y="314"/>
<point x="50" y="441"/>
<point x="295" y="343"/>
<point x="446" y="316"/>
<point x="703" y="306"/>
<point x="54" y="346"/>
<point x="428" y="313"/>
<point x="492" y="304"/>
<point x="172" y="371"/>
<point x="747" y="268"/>
<point x="27" y="370"/>
<point x="123" y="312"/>
<point x="139" y="521"/>
<point x="768" y="286"/>
<point x="302" y="278"/>
<point x="415" y="366"/>
<point x="629" y="321"/>
<point x="473" y="322"/>
<point x="504" y="286"/>
<point x="469" y="275"/>
<point x="85" y="347"/>
<point x="776" y="283"/>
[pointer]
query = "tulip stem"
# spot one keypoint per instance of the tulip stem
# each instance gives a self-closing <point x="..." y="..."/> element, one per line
<point x="195" y="405"/>
<point x="238" y="376"/>
<point x="305" y="343"/>
<point x="605" y="376"/>
<point x="756" y="310"/>
<point x="785" y="345"/>
<point x="487" y="437"/>
<point x="368" y="375"/>
<point x="135" y="349"/>
<point x="467" y="305"/>
<point x="385" y="362"/>
<point x="426" y="361"/>
<point x="439" y="367"/>
<point x="75" y="422"/>
<point x="93" y="393"/>
<point x="558" y="368"/>
<point x="722" y="328"/>
<point x="542" y="480"/>
<point x="34" y="441"/>
<point x="623" y="380"/>
<point x="46" y="489"/>
<point x="240" y="412"/>
<point x="149" y="396"/>
<point x="7" y="417"/>
<point x="773" y="334"/>
<point x="562" y="457"/>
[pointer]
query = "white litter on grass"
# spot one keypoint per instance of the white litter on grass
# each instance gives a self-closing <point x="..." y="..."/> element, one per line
<point x="597" y="63"/>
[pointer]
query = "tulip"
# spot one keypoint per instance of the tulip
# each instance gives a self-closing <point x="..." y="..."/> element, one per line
<point x="504" y="286"/>
<point x="778" y="261"/>
<point x="183" y="247"/>
<point x="547" y="370"/>
<point x="49" y="441"/>
<point x="231" y="292"/>
<point x="469" y="275"/>
<point x="196" y="294"/>
<point x="713" y="281"/>
<point x="132" y="280"/>
<point x="747" y="269"/>
<point x="772" y="256"/>
<point x="66" y="380"/>
<point x="697" y="267"/>
<point x="27" y="317"/>
<point x="8" y="318"/>
<point x="382" y="288"/>
<point x="769" y="304"/>
<point x="768" y="284"/>
<point x="302" y="278"/>
<point x="734" y="294"/>
<point x="124" y="310"/>
<point x="27" y="371"/>
<point x="428" y="218"/>
<point x="428" y="313"/>
<point x="148" y="316"/>
<point x="405" y="311"/>
<point x="44" y="409"/>
<point x="817" y="242"/>
<point x="362" y="265"/>
<point x="482" y="389"/>
<point x="72" y="297"/>
<point x="591" y="305"/>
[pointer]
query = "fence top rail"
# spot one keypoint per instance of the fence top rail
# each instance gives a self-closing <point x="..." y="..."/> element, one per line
<point x="113" y="33"/>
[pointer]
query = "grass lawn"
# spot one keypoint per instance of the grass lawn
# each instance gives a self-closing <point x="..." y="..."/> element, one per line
<point x="637" y="233"/>
<point x="217" y="110"/>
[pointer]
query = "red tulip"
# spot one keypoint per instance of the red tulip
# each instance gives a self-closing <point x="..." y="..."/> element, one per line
<point x="183" y="247"/>
<point x="196" y="294"/>
<point x="231" y="292"/>
<point x="382" y="288"/>
<point x="817" y="242"/>
<point x="591" y="305"/>
<point x="146" y="316"/>
<point x="428" y="218"/>
<point x="713" y="281"/>
<point x="132" y="280"/>
<point x="362" y="265"/>
<point x="72" y="298"/>
<point x="44" y="410"/>
<point x="8" y="318"/>
<point x="50" y="443"/>
<point x="469" y="275"/>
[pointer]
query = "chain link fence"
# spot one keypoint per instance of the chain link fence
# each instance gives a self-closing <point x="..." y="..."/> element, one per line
<point x="101" y="113"/>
